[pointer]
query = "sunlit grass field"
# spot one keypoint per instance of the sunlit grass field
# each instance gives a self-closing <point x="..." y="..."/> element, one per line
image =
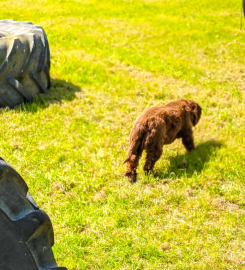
<point x="109" y="61"/>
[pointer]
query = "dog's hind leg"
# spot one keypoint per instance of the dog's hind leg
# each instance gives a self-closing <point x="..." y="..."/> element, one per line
<point x="152" y="155"/>
<point x="153" y="149"/>
<point x="134" y="152"/>
<point x="132" y="164"/>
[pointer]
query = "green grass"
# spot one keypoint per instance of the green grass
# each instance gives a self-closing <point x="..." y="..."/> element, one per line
<point x="110" y="60"/>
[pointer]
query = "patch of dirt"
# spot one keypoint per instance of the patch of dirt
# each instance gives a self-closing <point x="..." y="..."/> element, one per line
<point x="223" y="204"/>
<point x="99" y="196"/>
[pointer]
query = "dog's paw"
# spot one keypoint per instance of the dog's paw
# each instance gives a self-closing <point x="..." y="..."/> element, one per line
<point x="189" y="149"/>
<point x="132" y="177"/>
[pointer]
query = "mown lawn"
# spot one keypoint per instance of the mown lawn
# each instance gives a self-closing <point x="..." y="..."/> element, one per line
<point x="110" y="60"/>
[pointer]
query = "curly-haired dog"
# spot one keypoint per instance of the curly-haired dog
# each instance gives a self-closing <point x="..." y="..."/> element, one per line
<point x="157" y="126"/>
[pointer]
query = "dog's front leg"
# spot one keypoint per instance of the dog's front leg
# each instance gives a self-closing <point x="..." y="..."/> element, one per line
<point x="188" y="140"/>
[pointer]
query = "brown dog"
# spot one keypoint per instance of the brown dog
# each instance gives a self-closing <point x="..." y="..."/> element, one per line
<point x="157" y="126"/>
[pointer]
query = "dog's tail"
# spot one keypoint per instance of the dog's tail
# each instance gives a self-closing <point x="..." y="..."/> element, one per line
<point x="136" y="141"/>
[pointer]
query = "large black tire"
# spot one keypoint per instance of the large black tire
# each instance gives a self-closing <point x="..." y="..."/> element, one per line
<point x="26" y="232"/>
<point x="24" y="62"/>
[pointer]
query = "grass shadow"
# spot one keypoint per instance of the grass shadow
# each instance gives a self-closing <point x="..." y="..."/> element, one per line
<point x="189" y="163"/>
<point x="60" y="91"/>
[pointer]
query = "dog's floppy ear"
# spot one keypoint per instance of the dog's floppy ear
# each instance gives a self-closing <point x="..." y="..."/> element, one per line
<point x="195" y="112"/>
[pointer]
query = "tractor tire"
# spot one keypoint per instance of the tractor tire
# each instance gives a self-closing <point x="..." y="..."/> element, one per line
<point x="26" y="237"/>
<point x="24" y="62"/>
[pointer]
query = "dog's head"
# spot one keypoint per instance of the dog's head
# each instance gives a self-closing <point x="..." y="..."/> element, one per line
<point x="195" y="112"/>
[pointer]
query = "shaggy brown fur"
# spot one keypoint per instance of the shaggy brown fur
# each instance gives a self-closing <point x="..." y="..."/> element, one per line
<point x="157" y="126"/>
